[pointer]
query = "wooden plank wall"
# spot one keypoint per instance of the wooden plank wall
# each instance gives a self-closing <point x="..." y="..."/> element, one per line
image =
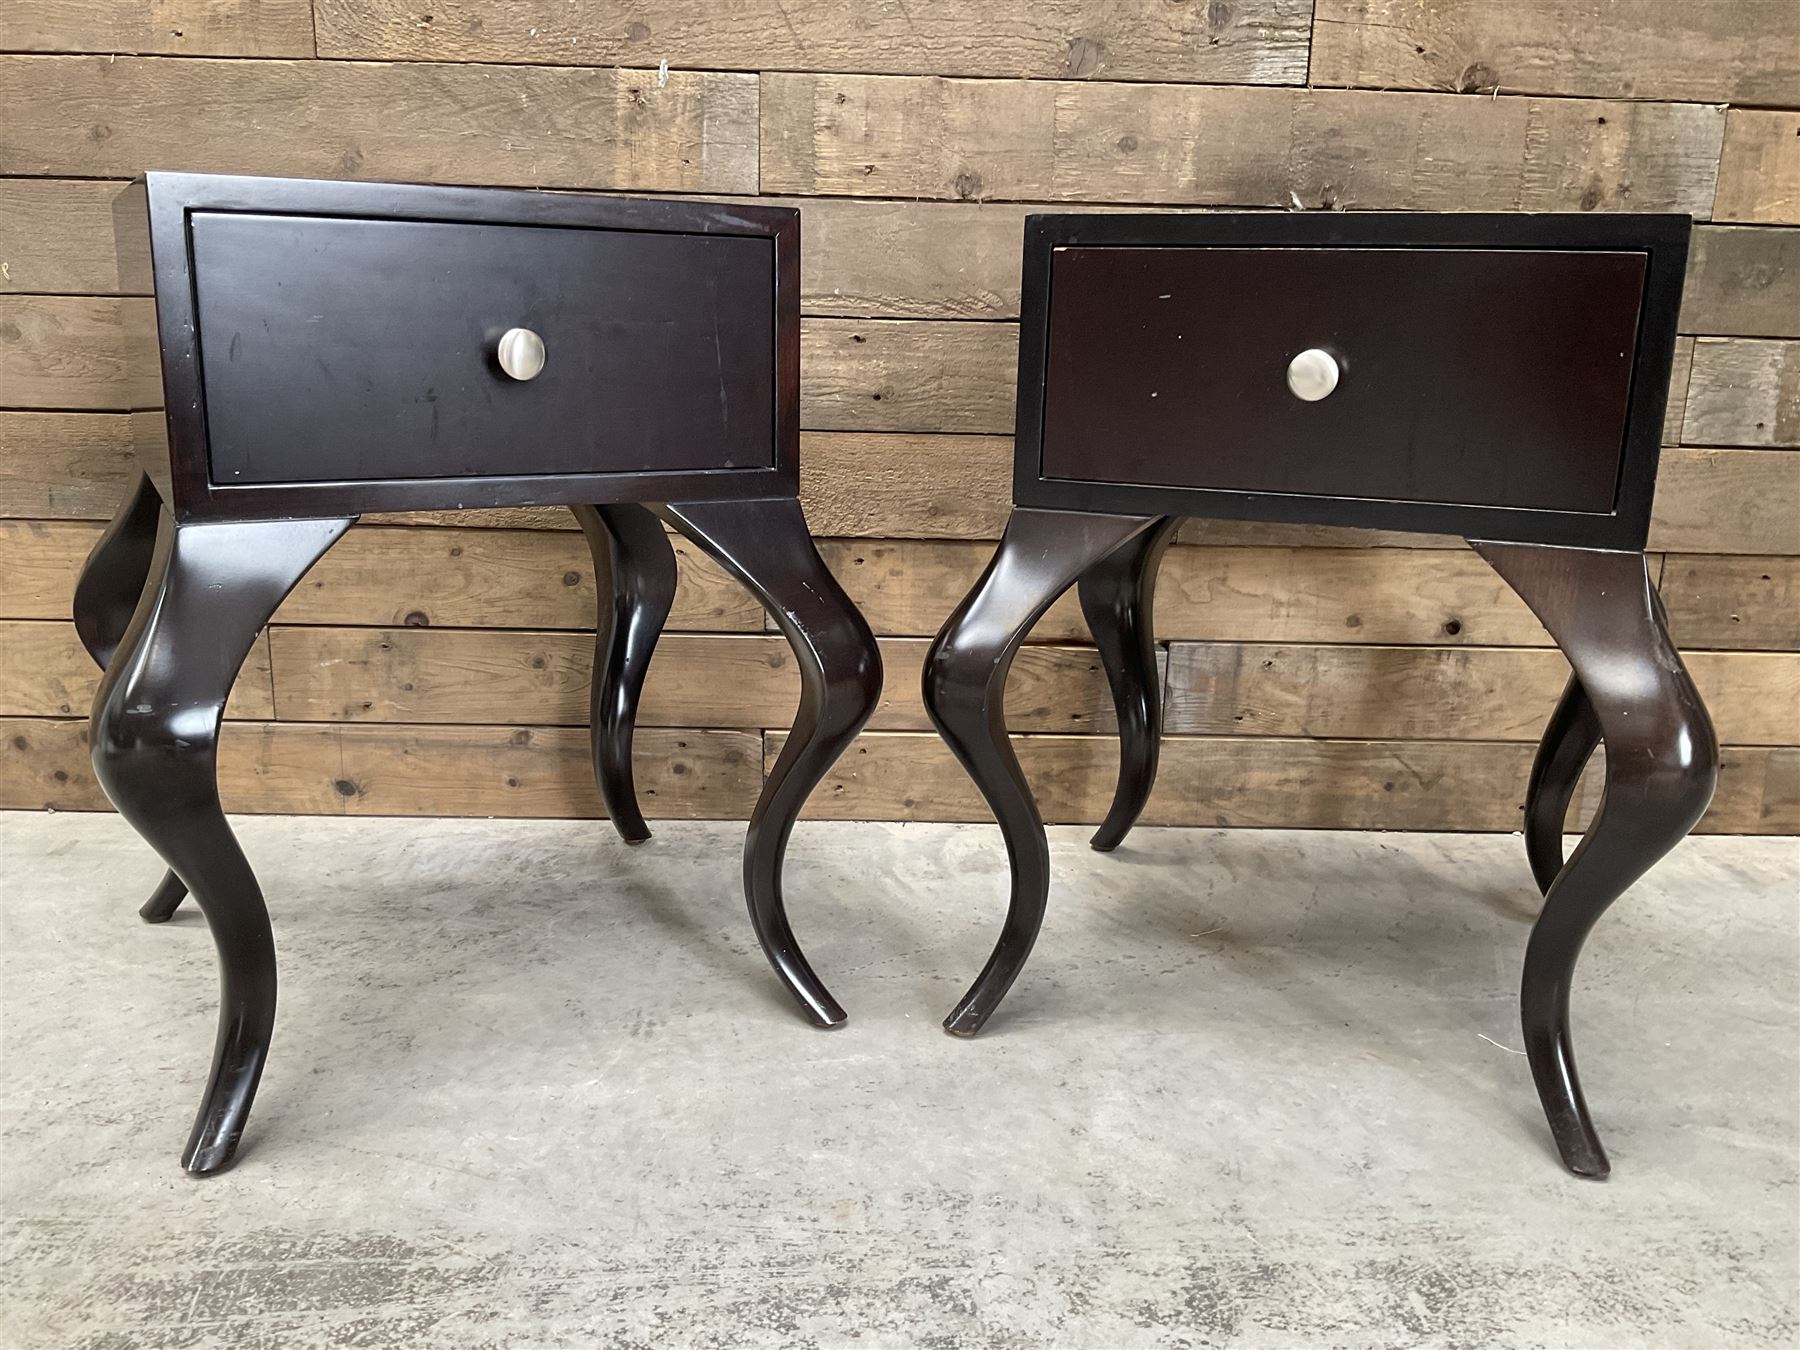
<point x="1316" y="677"/>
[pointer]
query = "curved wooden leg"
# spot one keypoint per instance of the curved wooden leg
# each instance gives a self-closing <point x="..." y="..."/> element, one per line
<point x="155" y="732"/>
<point x="107" y="592"/>
<point x="766" y="545"/>
<point x="1117" y="597"/>
<point x="1040" y="557"/>
<point x="634" y="572"/>
<point x="1661" y="766"/>
<point x="1568" y="743"/>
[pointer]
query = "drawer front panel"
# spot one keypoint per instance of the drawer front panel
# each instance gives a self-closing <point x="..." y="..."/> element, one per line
<point x="356" y="350"/>
<point x="1484" y="377"/>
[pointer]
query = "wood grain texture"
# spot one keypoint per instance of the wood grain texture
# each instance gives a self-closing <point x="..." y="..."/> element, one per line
<point x="57" y="237"/>
<point x="276" y="767"/>
<point x="1747" y="603"/>
<point x="491" y="579"/>
<point x="852" y="135"/>
<point x="72" y="466"/>
<point x="1743" y="392"/>
<point x="69" y="351"/>
<point x="868" y="258"/>
<point x="887" y="375"/>
<point x="431" y="676"/>
<point x="1426" y="596"/>
<point x="1267" y="783"/>
<point x="1759" y="168"/>
<point x="1741" y="51"/>
<point x="1439" y="694"/>
<point x="437" y="662"/>
<point x="1743" y="281"/>
<point x="164" y="27"/>
<point x="1727" y="501"/>
<point x="45" y="672"/>
<point x="569" y="127"/>
<point x="403" y="577"/>
<point x="1249" y="41"/>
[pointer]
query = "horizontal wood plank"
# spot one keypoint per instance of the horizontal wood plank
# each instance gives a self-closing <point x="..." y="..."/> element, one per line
<point x="875" y="259"/>
<point x="45" y="672"/>
<point x="1727" y="501"/>
<point x="277" y="767"/>
<point x="1267" y="783"/>
<point x="1759" y="168"/>
<point x="854" y="135"/>
<point x="57" y="237"/>
<point x="165" y="27"/>
<point x="64" y="466"/>
<point x="1249" y="41"/>
<point x="1435" y="693"/>
<point x="404" y="577"/>
<point x="1747" y="51"/>
<point x="1429" y="596"/>
<point x="1743" y="281"/>
<point x="527" y="126"/>
<point x="1747" y="603"/>
<point x="1743" y="392"/>
<point x="69" y="351"/>
<point x="534" y="678"/>
<point x="891" y="375"/>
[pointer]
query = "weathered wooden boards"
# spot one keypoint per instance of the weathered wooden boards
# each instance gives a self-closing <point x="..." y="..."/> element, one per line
<point x="523" y="125"/>
<point x="169" y="27"/>
<point x="1743" y="51"/>
<point x="437" y="664"/>
<point x="1244" y="42"/>
<point x="1063" y="141"/>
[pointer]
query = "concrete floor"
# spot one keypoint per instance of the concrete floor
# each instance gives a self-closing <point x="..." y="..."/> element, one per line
<point x="531" y="1087"/>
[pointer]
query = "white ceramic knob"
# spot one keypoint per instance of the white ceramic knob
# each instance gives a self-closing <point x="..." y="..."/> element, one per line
<point x="1312" y="375"/>
<point x="520" y="353"/>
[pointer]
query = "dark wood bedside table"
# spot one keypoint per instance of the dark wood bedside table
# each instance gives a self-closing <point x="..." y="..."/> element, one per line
<point x="328" y="349"/>
<point x="1498" y="377"/>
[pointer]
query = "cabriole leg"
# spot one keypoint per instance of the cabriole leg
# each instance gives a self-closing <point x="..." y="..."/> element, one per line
<point x="766" y="545"/>
<point x="634" y="573"/>
<point x="1661" y="766"/>
<point x="1117" y="597"/>
<point x="1040" y="557"/>
<point x="155" y="733"/>
<point x="106" y="595"/>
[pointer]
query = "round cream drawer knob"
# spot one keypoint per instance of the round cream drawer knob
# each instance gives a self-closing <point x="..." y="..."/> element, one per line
<point x="1313" y="374"/>
<point x="520" y="353"/>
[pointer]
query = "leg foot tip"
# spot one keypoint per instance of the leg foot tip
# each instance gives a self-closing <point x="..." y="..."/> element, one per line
<point x="965" y="1023"/>
<point x="210" y="1159"/>
<point x="1101" y="844"/>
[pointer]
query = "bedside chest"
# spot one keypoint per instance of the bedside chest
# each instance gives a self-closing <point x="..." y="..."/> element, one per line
<point x="1496" y="377"/>
<point x="326" y="349"/>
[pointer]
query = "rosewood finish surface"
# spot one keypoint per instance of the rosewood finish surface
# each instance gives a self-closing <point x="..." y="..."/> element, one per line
<point x="328" y="349"/>
<point x="1343" y="369"/>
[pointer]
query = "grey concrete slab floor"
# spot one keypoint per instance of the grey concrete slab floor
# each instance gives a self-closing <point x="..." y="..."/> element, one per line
<point x="533" y="1088"/>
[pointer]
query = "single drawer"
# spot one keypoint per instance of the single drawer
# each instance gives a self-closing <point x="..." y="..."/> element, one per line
<point x="337" y="349"/>
<point x="1486" y="377"/>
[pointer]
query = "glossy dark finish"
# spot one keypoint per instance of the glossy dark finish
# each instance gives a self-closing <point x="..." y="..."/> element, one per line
<point x="412" y="479"/>
<point x="1118" y="599"/>
<point x="155" y="731"/>
<point x="302" y="328"/>
<point x="1661" y="768"/>
<point x="1084" y="378"/>
<point x="767" y="547"/>
<point x="313" y="375"/>
<point x="112" y="582"/>
<point x="112" y="579"/>
<point x="1468" y="375"/>
<point x="634" y="574"/>
<point x="1568" y="742"/>
<point x="1041" y="555"/>
<point x="1111" y="426"/>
